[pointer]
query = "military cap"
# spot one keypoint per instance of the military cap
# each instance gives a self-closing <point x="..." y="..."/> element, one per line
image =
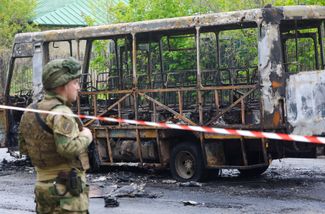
<point x="59" y="72"/>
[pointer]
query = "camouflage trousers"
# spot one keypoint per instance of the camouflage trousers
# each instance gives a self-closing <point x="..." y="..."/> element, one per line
<point x="50" y="198"/>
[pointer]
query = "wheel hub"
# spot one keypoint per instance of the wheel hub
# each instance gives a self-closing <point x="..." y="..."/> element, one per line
<point x="188" y="164"/>
<point x="185" y="165"/>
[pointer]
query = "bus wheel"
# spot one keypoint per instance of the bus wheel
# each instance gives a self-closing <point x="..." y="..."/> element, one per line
<point x="186" y="162"/>
<point x="253" y="172"/>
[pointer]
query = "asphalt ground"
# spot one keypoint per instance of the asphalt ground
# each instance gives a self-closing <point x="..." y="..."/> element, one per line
<point x="288" y="186"/>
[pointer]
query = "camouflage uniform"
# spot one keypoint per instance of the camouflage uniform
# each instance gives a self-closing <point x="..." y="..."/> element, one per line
<point x="57" y="150"/>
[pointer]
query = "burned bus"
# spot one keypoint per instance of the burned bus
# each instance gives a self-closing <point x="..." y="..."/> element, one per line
<point x="260" y="69"/>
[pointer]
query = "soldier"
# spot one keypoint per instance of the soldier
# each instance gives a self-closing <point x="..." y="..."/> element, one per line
<point x="56" y="144"/>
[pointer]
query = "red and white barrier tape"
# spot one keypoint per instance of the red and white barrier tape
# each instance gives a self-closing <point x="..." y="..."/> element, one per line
<point x="246" y="133"/>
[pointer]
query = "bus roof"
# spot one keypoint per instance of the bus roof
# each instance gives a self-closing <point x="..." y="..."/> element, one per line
<point x="188" y="23"/>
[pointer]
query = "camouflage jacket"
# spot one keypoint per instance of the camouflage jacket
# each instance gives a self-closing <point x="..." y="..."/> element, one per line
<point x="59" y="151"/>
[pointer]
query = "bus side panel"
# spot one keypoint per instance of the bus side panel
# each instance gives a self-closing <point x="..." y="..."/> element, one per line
<point x="3" y="125"/>
<point x="305" y="99"/>
<point x="271" y="70"/>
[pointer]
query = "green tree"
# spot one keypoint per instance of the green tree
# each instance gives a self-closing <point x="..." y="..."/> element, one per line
<point x="224" y="5"/>
<point x="14" y="18"/>
<point x="138" y="10"/>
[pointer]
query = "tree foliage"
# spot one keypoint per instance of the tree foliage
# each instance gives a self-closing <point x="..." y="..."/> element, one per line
<point x="14" y="17"/>
<point x="138" y="10"/>
<point x="224" y="5"/>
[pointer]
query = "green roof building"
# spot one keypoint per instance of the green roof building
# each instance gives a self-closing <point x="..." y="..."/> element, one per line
<point x="70" y="13"/>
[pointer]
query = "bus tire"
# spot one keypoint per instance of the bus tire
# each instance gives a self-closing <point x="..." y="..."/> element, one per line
<point x="253" y="172"/>
<point x="186" y="162"/>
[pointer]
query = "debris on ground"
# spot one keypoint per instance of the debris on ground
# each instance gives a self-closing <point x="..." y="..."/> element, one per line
<point x="100" y="190"/>
<point x="133" y="190"/>
<point x="4" y="161"/>
<point x="120" y="176"/>
<point x="169" y="181"/>
<point x="190" y="184"/>
<point x="111" y="201"/>
<point x="100" y="179"/>
<point x="124" y="177"/>
<point x="191" y="203"/>
<point x="16" y="165"/>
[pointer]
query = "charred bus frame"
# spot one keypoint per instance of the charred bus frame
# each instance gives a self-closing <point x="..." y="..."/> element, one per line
<point x="265" y="95"/>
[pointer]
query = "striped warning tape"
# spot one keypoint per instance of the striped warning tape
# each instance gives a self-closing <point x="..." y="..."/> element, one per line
<point x="246" y="133"/>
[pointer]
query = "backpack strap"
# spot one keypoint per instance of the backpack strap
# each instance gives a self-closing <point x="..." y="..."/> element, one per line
<point x="40" y="121"/>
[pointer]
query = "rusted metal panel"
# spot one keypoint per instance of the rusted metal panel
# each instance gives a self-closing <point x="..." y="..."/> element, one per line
<point x="132" y="150"/>
<point x="110" y="153"/>
<point x="219" y="136"/>
<point x="243" y="151"/>
<point x="126" y="133"/>
<point x="164" y="148"/>
<point x="119" y="133"/>
<point x="305" y="103"/>
<point x="3" y="129"/>
<point x="148" y="133"/>
<point x="139" y="146"/>
<point x="214" y="154"/>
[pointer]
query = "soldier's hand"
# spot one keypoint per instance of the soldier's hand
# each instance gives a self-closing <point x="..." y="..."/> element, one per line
<point x="86" y="132"/>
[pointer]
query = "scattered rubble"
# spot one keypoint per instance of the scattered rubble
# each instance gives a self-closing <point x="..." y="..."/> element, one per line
<point x="9" y="167"/>
<point x="191" y="203"/>
<point x="133" y="190"/>
<point x="125" y="177"/>
<point x="169" y="181"/>
<point x="101" y="178"/>
<point x="111" y="201"/>
<point x="112" y="175"/>
<point x="190" y="184"/>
